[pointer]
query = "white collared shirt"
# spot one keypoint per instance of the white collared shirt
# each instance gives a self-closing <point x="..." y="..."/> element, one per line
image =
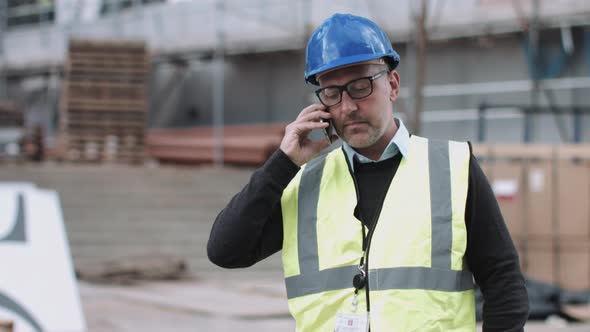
<point x="399" y="143"/>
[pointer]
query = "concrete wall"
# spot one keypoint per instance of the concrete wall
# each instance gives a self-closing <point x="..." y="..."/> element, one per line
<point x="461" y="74"/>
<point x="261" y="88"/>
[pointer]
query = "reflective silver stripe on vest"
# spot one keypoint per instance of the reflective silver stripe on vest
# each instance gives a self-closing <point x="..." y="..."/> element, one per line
<point x="440" y="203"/>
<point x="307" y="211"/>
<point x="379" y="279"/>
<point x="320" y="281"/>
<point x="420" y="278"/>
<point x="440" y="277"/>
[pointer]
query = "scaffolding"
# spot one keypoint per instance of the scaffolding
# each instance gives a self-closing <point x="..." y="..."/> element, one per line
<point x="206" y="33"/>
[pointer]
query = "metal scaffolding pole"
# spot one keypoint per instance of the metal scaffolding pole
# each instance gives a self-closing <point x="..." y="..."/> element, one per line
<point x="218" y="85"/>
<point x="529" y="126"/>
<point x="3" y="16"/>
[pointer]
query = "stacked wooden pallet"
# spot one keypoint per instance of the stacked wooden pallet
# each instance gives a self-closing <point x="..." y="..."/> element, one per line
<point x="10" y="115"/>
<point x="103" y="105"/>
<point x="247" y="145"/>
<point x="11" y="131"/>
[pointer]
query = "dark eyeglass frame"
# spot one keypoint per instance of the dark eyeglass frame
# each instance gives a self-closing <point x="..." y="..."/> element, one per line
<point x="342" y="88"/>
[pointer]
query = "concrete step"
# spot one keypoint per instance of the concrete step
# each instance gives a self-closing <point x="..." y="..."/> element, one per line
<point x="116" y="211"/>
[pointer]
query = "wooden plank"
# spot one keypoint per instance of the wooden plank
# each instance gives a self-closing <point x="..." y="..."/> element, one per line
<point x="111" y="140"/>
<point x="110" y="56"/>
<point x="82" y="118"/>
<point x="94" y="108"/>
<point x="107" y="115"/>
<point x="133" y="160"/>
<point x="123" y="141"/>
<point x="117" y="114"/>
<point x="105" y="127"/>
<point x="104" y="131"/>
<point x="105" y="91"/>
<point x="106" y="71"/>
<point x="248" y="130"/>
<point x="106" y="78"/>
<point x="85" y="152"/>
<point x="104" y="135"/>
<point x="74" y="102"/>
<point x="77" y="117"/>
<point x="102" y="122"/>
<point x="106" y="139"/>
<point x="77" y="64"/>
<point x="107" y="61"/>
<point x="237" y="150"/>
<point x="112" y="124"/>
<point x="8" y="107"/>
<point x="205" y="155"/>
<point x="100" y="150"/>
<point x="97" y="105"/>
<point x="243" y="144"/>
<point x="104" y="84"/>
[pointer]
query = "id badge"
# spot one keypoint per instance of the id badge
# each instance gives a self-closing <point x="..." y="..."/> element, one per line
<point x="352" y="322"/>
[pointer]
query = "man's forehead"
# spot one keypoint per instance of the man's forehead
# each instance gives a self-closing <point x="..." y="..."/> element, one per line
<point x="360" y="69"/>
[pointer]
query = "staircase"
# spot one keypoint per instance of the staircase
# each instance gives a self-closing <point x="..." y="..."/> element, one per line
<point x="116" y="211"/>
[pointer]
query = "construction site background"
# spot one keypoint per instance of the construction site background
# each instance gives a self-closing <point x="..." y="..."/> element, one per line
<point x="148" y="116"/>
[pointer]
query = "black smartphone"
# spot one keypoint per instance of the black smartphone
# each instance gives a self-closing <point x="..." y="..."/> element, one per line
<point x="328" y="130"/>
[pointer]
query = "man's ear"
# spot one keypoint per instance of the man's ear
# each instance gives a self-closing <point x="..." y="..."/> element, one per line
<point x="394" y="84"/>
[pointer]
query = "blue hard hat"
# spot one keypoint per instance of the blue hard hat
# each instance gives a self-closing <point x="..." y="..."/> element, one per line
<point x="345" y="39"/>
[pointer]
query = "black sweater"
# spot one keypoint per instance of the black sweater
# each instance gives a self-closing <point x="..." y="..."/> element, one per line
<point x="250" y="229"/>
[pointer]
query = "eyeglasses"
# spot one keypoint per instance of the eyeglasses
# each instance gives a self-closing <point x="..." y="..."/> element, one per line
<point x="357" y="89"/>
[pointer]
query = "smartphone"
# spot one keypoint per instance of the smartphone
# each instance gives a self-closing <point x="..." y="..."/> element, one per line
<point x="328" y="130"/>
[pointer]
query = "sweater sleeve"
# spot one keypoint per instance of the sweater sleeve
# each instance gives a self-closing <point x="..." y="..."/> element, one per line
<point x="492" y="258"/>
<point x="250" y="227"/>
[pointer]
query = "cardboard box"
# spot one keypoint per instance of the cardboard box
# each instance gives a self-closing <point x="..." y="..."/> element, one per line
<point x="487" y="168"/>
<point x="573" y="185"/>
<point x="574" y="263"/>
<point x="519" y="245"/>
<point x="542" y="190"/>
<point x="574" y="152"/>
<point x="507" y="185"/>
<point x="522" y="151"/>
<point x="523" y="184"/>
<point x="540" y="261"/>
<point x="538" y="198"/>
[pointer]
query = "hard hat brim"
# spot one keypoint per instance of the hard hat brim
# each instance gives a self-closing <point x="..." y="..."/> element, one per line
<point x="311" y="77"/>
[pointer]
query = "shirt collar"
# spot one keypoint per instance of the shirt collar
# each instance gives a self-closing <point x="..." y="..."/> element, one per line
<point x="399" y="143"/>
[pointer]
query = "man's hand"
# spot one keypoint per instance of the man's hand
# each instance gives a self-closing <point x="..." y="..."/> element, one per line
<point x="296" y="145"/>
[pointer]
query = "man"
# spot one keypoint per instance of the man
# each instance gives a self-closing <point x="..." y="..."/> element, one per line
<point x="387" y="231"/>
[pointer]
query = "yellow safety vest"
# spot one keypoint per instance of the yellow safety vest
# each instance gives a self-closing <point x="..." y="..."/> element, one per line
<point x="418" y="279"/>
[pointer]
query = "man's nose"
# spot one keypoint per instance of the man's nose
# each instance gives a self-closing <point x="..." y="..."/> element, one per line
<point x="348" y="104"/>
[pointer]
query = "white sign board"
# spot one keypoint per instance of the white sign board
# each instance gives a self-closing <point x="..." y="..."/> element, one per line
<point x="38" y="290"/>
